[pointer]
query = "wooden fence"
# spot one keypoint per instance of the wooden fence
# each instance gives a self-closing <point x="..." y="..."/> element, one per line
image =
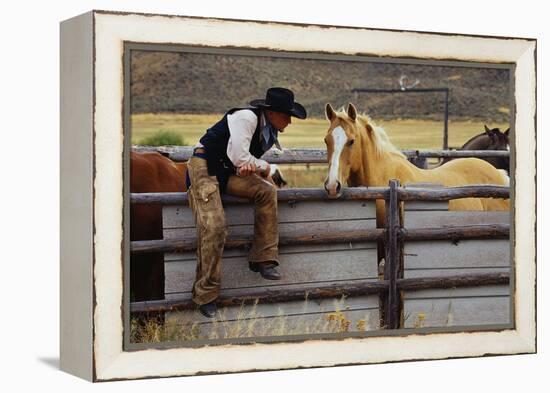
<point x="489" y="304"/>
<point x="327" y="249"/>
<point x="342" y="240"/>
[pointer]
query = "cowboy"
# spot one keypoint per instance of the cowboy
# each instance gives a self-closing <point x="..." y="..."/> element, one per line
<point x="227" y="160"/>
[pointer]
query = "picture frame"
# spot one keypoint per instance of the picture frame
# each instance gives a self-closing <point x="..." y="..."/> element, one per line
<point x="92" y="195"/>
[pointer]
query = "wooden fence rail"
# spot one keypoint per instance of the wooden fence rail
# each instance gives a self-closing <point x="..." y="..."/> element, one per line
<point x="288" y="195"/>
<point x="352" y="193"/>
<point x="319" y="156"/>
<point x="446" y="194"/>
<point x="493" y="231"/>
<point x="266" y="295"/>
<point x="175" y="245"/>
<point x="457" y="281"/>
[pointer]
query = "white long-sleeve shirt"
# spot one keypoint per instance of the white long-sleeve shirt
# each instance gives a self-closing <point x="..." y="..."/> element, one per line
<point x="242" y="125"/>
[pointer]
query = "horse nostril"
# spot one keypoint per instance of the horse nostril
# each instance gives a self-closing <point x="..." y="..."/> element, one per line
<point x="338" y="187"/>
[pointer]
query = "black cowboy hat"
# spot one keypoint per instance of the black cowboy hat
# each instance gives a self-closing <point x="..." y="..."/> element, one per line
<point x="279" y="99"/>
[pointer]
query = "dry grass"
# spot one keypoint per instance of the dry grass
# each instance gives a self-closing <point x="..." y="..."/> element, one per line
<point x="405" y="134"/>
<point x="421" y="318"/>
<point x="304" y="175"/>
<point x="246" y="322"/>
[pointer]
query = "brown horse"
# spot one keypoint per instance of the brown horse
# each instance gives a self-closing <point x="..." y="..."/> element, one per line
<point x="150" y="172"/>
<point x="361" y="154"/>
<point x="491" y="139"/>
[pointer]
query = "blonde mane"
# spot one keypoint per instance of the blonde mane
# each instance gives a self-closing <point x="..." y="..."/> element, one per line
<point x="380" y="138"/>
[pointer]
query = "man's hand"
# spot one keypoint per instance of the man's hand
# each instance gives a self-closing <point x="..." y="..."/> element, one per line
<point x="247" y="170"/>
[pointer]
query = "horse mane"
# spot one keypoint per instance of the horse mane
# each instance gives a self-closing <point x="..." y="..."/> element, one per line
<point x="380" y="138"/>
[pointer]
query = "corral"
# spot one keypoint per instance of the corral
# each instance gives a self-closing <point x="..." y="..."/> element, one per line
<point x="440" y="268"/>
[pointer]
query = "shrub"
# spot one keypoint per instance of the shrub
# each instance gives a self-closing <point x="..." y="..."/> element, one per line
<point x="163" y="138"/>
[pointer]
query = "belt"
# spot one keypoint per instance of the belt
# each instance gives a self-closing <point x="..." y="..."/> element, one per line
<point x="199" y="152"/>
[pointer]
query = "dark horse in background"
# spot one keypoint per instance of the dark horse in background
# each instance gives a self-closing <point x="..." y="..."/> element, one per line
<point x="491" y="139"/>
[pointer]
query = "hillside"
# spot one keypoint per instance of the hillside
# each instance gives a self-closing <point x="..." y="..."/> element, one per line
<point x="204" y="83"/>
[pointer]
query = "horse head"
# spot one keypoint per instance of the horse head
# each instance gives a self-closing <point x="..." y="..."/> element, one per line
<point x="340" y="139"/>
<point x="498" y="140"/>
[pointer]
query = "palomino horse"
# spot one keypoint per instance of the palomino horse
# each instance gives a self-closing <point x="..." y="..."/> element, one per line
<point x="360" y="154"/>
<point x="491" y="139"/>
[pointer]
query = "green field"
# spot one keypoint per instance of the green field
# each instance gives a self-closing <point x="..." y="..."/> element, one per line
<point x="405" y="134"/>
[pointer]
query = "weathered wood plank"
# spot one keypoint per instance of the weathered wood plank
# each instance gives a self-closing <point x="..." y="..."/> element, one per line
<point x="483" y="291"/>
<point x="422" y="207"/>
<point x="449" y="272"/>
<point x="456" y="234"/>
<point x="456" y="311"/>
<point x="287" y="230"/>
<point x="413" y="218"/>
<point x="287" y="212"/>
<point x="295" y="249"/>
<point x="463" y="254"/>
<point x="295" y="268"/>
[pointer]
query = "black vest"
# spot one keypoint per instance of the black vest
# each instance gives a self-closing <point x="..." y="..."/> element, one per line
<point x="215" y="142"/>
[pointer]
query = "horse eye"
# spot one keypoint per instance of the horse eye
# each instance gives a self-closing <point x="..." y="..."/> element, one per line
<point x="351" y="142"/>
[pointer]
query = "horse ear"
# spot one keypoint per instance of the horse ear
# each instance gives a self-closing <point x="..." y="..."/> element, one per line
<point x="491" y="134"/>
<point x="329" y="112"/>
<point x="352" y="112"/>
<point x="507" y="132"/>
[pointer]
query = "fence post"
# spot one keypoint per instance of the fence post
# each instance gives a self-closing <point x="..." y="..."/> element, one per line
<point x="391" y="271"/>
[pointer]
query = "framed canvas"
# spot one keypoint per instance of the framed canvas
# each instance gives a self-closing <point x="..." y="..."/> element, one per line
<point x="387" y="252"/>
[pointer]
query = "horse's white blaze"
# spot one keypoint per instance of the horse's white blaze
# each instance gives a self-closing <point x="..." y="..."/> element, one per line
<point x="508" y="147"/>
<point x="339" y="138"/>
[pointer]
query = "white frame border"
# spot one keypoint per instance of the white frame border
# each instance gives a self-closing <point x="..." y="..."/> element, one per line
<point x="112" y="30"/>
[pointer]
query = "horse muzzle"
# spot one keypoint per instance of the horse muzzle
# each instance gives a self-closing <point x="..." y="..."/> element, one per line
<point x="333" y="189"/>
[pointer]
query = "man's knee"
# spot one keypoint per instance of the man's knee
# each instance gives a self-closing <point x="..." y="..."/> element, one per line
<point x="266" y="192"/>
